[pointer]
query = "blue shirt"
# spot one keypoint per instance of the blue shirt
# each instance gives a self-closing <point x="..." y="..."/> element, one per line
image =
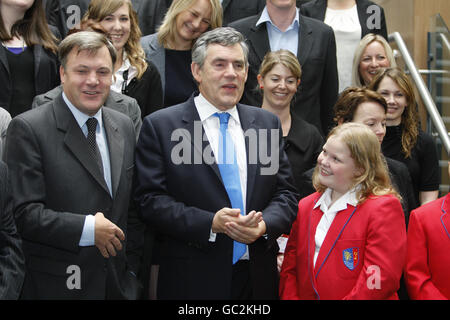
<point x="278" y="39"/>
<point x="88" y="234"/>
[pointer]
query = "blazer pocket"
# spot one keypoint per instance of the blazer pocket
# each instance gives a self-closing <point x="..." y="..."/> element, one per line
<point x="349" y="257"/>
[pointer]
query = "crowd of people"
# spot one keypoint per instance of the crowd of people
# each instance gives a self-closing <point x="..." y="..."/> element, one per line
<point x="213" y="149"/>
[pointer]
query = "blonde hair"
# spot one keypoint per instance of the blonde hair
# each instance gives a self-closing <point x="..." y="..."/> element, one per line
<point x="410" y="116"/>
<point x="365" y="151"/>
<point x="167" y="29"/>
<point x="100" y="9"/>
<point x="357" y="80"/>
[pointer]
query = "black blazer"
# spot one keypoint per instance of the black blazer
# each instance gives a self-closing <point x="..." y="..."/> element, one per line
<point x="12" y="264"/>
<point x="55" y="184"/>
<point x="316" y="9"/>
<point x="180" y="200"/>
<point x="147" y="90"/>
<point x="150" y="14"/>
<point x="237" y="9"/>
<point x="316" y="53"/>
<point x="46" y="74"/>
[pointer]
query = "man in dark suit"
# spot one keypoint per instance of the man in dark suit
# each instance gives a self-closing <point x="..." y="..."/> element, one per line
<point x="280" y="26"/>
<point x="150" y="14"/>
<point x="71" y="163"/>
<point x="65" y="14"/>
<point x="183" y="192"/>
<point x="237" y="9"/>
<point x="12" y="266"/>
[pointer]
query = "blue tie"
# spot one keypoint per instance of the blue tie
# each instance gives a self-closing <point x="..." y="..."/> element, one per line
<point x="230" y="175"/>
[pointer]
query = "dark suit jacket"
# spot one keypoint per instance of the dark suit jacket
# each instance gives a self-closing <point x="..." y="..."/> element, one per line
<point x="316" y="9"/>
<point x="237" y="9"/>
<point x="62" y="13"/>
<point x="12" y="264"/>
<point x="115" y="101"/>
<point x="316" y="53"/>
<point x="55" y="184"/>
<point x="150" y="14"/>
<point x="46" y="74"/>
<point x="180" y="201"/>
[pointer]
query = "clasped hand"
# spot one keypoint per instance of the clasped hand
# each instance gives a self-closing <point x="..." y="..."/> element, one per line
<point x="107" y="236"/>
<point x="243" y="228"/>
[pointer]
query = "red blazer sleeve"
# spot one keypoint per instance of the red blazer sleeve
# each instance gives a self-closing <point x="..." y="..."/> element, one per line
<point x="288" y="289"/>
<point x="385" y="251"/>
<point x="417" y="272"/>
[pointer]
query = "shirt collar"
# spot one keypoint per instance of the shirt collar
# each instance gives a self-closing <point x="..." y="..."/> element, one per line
<point x="205" y="109"/>
<point x="81" y="117"/>
<point x="348" y="198"/>
<point x="266" y="18"/>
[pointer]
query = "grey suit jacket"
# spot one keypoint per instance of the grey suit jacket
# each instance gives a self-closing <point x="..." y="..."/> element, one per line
<point x="12" y="264"/>
<point x="115" y="101"/>
<point x="55" y="184"/>
<point x="155" y="53"/>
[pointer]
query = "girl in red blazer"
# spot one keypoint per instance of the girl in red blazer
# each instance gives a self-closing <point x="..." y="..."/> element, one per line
<point x="349" y="239"/>
<point x="428" y="259"/>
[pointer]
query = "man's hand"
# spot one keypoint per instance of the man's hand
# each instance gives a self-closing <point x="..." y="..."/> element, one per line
<point x="107" y="236"/>
<point x="223" y="216"/>
<point x="247" y="229"/>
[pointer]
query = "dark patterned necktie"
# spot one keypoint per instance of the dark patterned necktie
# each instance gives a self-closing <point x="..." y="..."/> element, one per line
<point x="91" y="124"/>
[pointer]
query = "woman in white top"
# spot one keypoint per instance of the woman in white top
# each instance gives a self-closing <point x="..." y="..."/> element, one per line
<point x="351" y="20"/>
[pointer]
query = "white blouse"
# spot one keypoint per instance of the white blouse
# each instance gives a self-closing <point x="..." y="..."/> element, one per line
<point x="329" y="213"/>
<point x="117" y="82"/>
<point x="347" y="31"/>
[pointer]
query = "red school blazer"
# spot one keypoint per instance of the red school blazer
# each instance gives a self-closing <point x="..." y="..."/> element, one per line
<point x="428" y="255"/>
<point x="362" y="256"/>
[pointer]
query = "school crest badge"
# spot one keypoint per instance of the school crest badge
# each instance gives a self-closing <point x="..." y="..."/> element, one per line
<point x="350" y="257"/>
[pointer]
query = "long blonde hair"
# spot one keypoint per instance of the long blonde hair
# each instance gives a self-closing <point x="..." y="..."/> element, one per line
<point x="167" y="29"/>
<point x="365" y="151"/>
<point x="100" y="9"/>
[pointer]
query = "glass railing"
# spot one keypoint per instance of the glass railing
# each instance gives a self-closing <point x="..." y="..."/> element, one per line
<point x="438" y="82"/>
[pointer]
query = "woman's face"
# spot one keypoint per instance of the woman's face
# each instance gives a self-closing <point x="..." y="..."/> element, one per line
<point x="337" y="168"/>
<point x="279" y="86"/>
<point x="118" y="26"/>
<point x="192" y="22"/>
<point x="372" y="114"/>
<point x="373" y="58"/>
<point x="395" y="98"/>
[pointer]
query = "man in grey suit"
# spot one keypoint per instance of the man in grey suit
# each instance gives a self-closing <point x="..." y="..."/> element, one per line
<point x="281" y="26"/>
<point x="12" y="265"/>
<point x="71" y="164"/>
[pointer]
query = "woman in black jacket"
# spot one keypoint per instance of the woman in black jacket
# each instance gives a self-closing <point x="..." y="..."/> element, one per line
<point x="28" y="62"/>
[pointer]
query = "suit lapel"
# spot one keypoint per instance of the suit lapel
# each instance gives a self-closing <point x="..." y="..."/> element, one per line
<point x="116" y="149"/>
<point x="248" y="122"/>
<point x="75" y="140"/>
<point x="37" y="52"/>
<point x="305" y="41"/>
<point x="195" y="133"/>
<point x="445" y="217"/>
<point x="337" y="227"/>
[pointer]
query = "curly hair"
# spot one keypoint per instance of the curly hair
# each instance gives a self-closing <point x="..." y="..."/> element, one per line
<point x="351" y="98"/>
<point x="410" y="116"/>
<point x="100" y="9"/>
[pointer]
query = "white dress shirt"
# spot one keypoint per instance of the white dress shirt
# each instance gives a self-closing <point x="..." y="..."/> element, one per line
<point x="329" y="213"/>
<point x="211" y="125"/>
<point x="347" y="31"/>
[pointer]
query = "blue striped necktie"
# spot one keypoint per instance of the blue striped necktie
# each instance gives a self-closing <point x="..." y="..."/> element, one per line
<point x="229" y="171"/>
